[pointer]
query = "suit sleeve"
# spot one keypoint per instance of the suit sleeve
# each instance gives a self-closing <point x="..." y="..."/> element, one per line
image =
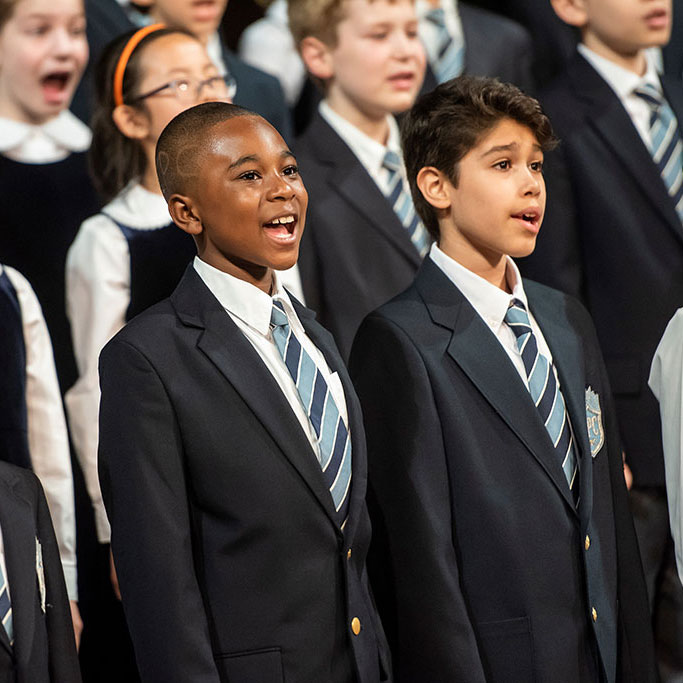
<point x="413" y="564"/>
<point x="635" y="655"/>
<point x="62" y="658"/>
<point x="146" y="497"/>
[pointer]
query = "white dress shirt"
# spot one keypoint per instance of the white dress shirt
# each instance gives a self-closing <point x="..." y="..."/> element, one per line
<point x="250" y="309"/>
<point x="492" y="303"/>
<point x="429" y="32"/>
<point x="369" y="152"/>
<point x="47" y="436"/>
<point x="214" y="49"/>
<point x="622" y="81"/>
<point x="666" y="382"/>
<point x="97" y="298"/>
<point x="281" y="59"/>
<point x="44" y="144"/>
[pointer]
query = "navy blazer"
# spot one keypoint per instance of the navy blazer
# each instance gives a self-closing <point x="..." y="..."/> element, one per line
<point x="485" y="570"/>
<point x="355" y="253"/>
<point x="230" y="562"/>
<point x="612" y="237"/>
<point x="44" y="649"/>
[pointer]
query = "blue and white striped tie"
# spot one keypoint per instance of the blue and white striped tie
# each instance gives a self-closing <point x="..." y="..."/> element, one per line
<point x="545" y="392"/>
<point x="5" y="607"/>
<point x="450" y="55"/>
<point x="402" y="203"/>
<point x="333" y="436"/>
<point x="665" y="143"/>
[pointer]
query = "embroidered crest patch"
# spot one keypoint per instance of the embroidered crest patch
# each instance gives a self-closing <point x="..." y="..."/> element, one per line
<point x="596" y="432"/>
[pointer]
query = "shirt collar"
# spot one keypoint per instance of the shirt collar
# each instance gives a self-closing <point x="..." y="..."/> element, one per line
<point x="138" y="208"/>
<point x="49" y="142"/>
<point x="369" y="152"/>
<point x="277" y="11"/>
<point x="621" y="80"/>
<point x="214" y="48"/>
<point x="242" y="299"/>
<point x="490" y="302"/>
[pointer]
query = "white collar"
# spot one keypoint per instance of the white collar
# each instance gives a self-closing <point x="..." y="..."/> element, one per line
<point x="277" y="12"/>
<point x="214" y="48"/>
<point x="138" y="208"/>
<point x="49" y="142"/>
<point x="489" y="301"/>
<point x="242" y="299"/>
<point x="621" y="80"/>
<point x="369" y="152"/>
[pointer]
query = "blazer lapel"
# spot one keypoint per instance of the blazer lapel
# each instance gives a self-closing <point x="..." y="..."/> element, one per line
<point x="472" y="344"/>
<point x="19" y="540"/>
<point x="323" y="340"/>
<point x="349" y="178"/>
<point x="226" y="347"/>
<point x="567" y="353"/>
<point x="609" y="118"/>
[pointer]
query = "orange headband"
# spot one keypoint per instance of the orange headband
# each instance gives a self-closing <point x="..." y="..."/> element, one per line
<point x="125" y="56"/>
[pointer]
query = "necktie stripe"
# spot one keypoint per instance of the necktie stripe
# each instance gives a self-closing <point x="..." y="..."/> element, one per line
<point x="545" y="392"/>
<point x="450" y="55"/>
<point x="318" y="403"/>
<point x="333" y="439"/>
<point x="665" y="142"/>
<point x="402" y="204"/>
<point x="6" y="608"/>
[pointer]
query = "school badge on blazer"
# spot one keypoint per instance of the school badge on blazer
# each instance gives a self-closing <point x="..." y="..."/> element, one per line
<point x="596" y="432"/>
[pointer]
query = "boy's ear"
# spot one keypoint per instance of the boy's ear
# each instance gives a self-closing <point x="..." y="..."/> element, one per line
<point x="572" y="12"/>
<point x="317" y="57"/>
<point x="184" y="215"/>
<point x="131" y="121"/>
<point x="432" y="184"/>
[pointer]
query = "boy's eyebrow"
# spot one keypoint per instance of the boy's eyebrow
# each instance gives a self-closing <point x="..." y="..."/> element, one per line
<point x="249" y="158"/>
<point x="500" y="148"/>
<point x="253" y="158"/>
<point x="507" y="148"/>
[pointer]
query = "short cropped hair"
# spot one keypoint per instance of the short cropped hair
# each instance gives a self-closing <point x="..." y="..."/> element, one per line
<point x="182" y="144"/>
<point x="446" y="123"/>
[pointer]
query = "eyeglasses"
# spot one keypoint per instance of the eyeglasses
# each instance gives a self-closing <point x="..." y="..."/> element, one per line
<point x="188" y="90"/>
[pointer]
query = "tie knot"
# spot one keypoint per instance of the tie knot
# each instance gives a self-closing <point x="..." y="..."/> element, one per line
<point x="278" y="317"/>
<point x="392" y="161"/>
<point x="517" y="317"/>
<point x="437" y="16"/>
<point x="650" y="94"/>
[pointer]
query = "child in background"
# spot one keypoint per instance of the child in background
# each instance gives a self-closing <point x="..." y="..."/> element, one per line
<point x="43" y="173"/>
<point x="256" y="90"/>
<point x="32" y="426"/>
<point x="364" y="242"/>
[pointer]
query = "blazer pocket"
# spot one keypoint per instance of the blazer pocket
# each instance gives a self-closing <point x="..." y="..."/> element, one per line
<point x="506" y="650"/>
<point x="252" y="666"/>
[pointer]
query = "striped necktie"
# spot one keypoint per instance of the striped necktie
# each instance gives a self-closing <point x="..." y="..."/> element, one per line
<point x="450" y="59"/>
<point x="333" y="436"/>
<point x="665" y="143"/>
<point x="402" y="203"/>
<point x="5" y="607"/>
<point x="545" y="392"/>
